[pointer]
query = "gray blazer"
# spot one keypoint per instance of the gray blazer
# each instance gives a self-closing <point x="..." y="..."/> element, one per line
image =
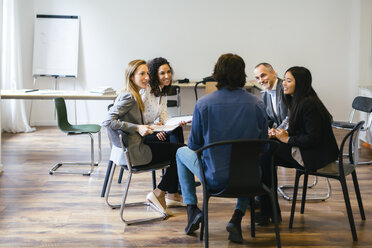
<point x="281" y="107"/>
<point x="125" y="115"/>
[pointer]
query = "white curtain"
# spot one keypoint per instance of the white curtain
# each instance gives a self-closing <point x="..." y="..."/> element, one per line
<point x="14" y="118"/>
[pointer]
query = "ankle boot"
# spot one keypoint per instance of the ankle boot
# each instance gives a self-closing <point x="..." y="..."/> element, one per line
<point x="234" y="227"/>
<point x="194" y="217"/>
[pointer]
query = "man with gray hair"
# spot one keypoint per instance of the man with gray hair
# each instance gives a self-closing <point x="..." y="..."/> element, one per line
<point x="273" y="96"/>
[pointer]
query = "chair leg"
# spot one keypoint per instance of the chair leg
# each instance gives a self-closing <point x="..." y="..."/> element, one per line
<point x="304" y="189"/>
<point x="365" y="162"/>
<point x="359" y="197"/>
<point x="276" y="218"/>
<point x="106" y="178"/>
<point x="205" y="215"/>
<point x="348" y="208"/>
<point x="295" y="190"/>
<point x="120" y="175"/>
<point x="153" y="180"/>
<point x="253" y="226"/>
<point x="108" y="187"/>
<point x="99" y="149"/>
<point x="123" y="204"/>
<point x="202" y="229"/>
<point x="55" y="168"/>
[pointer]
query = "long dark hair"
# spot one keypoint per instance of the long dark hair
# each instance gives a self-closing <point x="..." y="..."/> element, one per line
<point x="303" y="91"/>
<point x="229" y="71"/>
<point x="153" y="66"/>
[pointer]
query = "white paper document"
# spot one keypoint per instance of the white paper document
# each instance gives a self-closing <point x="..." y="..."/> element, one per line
<point x="176" y="120"/>
<point x="172" y="123"/>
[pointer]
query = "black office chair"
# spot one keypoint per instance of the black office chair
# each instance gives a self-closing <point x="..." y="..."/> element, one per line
<point x="174" y="91"/>
<point x="343" y="169"/>
<point x="204" y="81"/>
<point x="120" y="145"/>
<point x="362" y="104"/>
<point x="244" y="178"/>
<point x="66" y="127"/>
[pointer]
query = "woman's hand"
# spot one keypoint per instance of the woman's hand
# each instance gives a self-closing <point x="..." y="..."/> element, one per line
<point x="182" y="123"/>
<point x="281" y="135"/>
<point x="161" y="136"/>
<point x="144" y="130"/>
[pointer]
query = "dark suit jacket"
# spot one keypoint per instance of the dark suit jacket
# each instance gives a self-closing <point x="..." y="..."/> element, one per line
<point x="281" y="107"/>
<point x="314" y="136"/>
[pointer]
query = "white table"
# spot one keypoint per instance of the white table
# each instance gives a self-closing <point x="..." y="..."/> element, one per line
<point x="51" y="94"/>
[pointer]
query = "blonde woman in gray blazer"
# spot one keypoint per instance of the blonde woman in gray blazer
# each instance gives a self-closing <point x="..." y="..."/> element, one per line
<point x="126" y="114"/>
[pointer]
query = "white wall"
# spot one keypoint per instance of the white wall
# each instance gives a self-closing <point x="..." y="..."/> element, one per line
<point x="1" y="39"/>
<point x="332" y="38"/>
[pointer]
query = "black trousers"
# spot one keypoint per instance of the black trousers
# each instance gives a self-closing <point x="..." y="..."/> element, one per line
<point x="175" y="136"/>
<point x="163" y="151"/>
<point x="267" y="172"/>
<point x="283" y="157"/>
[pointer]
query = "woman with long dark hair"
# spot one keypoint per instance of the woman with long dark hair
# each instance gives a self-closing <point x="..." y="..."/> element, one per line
<point x="155" y="100"/>
<point x="309" y="140"/>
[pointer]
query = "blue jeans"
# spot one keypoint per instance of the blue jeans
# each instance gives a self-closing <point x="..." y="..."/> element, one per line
<point x="188" y="167"/>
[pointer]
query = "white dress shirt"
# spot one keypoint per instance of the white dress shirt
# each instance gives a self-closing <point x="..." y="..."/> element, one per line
<point x="272" y="93"/>
<point x="155" y="107"/>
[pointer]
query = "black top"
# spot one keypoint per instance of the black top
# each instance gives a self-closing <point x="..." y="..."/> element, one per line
<point x="314" y="136"/>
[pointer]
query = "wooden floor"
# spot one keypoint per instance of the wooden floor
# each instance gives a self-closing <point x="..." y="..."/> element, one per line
<point x="42" y="210"/>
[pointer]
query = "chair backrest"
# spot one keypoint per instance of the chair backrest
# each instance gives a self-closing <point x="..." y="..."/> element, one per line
<point x="353" y="138"/>
<point x="245" y="171"/>
<point x="205" y="81"/>
<point x="62" y="119"/>
<point x="118" y="139"/>
<point x="108" y="133"/>
<point x="174" y="91"/>
<point x="362" y="103"/>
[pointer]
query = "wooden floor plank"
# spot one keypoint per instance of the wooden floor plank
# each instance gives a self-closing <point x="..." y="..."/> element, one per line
<point x="42" y="210"/>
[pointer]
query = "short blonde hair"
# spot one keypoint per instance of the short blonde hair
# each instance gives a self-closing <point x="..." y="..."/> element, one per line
<point x="129" y="85"/>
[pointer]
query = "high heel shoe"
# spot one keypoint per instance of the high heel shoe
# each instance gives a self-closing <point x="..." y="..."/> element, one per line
<point x="151" y="197"/>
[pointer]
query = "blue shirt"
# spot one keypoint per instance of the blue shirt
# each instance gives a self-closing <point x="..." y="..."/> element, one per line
<point x="225" y="115"/>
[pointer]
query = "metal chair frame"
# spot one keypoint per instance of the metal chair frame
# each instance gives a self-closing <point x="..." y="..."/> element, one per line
<point x="76" y="131"/>
<point x="282" y="188"/>
<point x="131" y="171"/>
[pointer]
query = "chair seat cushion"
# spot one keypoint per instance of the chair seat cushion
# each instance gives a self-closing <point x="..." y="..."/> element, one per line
<point x="344" y="125"/>
<point x="85" y="128"/>
<point x="333" y="169"/>
<point x="148" y="167"/>
<point x="171" y="103"/>
<point x="118" y="157"/>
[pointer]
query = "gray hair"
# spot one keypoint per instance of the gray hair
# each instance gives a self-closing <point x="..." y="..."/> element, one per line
<point x="267" y="66"/>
